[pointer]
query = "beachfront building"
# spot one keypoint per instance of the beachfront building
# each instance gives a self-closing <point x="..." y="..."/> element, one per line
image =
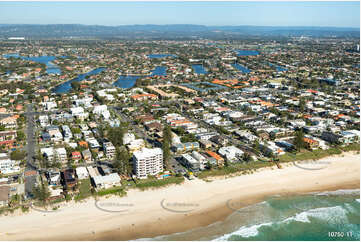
<point x="190" y="162"/>
<point x="103" y="182"/>
<point x="231" y="153"/>
<point x="148" y="162"/>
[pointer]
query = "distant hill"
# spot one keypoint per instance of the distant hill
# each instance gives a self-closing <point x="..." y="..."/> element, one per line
<point x="167" y="31"/>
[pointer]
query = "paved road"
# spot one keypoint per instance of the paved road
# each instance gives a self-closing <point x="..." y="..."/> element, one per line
<point x="30" y="181"/>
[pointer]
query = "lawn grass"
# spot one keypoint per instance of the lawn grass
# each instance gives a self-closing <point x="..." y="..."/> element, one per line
<point x="244" y="168"/>
<point x="155" y="183"/>
<point x="112" y="191"/>
<point x="84" y="189"/>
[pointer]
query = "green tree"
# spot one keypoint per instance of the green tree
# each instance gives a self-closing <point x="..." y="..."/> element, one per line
<point x="256" y="146"/>
<point x="302" y="104"/>
<point x="299" y="142"/>
<point x="20" y="136"/>
<point x="41" y="192"/>
<point x="116" y="134"/>
<point x="75" y="86"/>
<point x="247" y="157"/>
<point x="17" y="155"/>
<point x="121" y="161"/>
<point x="167" y="141"/>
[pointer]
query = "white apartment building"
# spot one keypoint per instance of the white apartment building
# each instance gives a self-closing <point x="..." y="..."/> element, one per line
<point x="7" y="165"/>
<point x="44" y="120"/>
<point x="109" y="149"/>
<point x="128" y="138"/>
<point x="60" y="154"/>
<point x="148" y="162"/>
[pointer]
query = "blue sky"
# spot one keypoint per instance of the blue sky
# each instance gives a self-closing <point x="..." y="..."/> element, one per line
<point x="338" y="14"/>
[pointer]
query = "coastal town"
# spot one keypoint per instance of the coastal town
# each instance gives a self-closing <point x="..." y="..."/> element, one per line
<point x="91" y="118"/>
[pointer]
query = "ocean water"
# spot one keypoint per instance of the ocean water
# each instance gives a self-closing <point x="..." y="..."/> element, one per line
<point x="309" y="217"/>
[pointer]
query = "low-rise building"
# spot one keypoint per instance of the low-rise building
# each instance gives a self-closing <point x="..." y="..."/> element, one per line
<point x="231" y="153"/>
<point x="190" y="162"/>
<point x="103" y="182"/>
<point x="109" y="150"/>
<point x="184" y="147"/>
<point x="82" y="173"/>
<point x="87" y="155"/>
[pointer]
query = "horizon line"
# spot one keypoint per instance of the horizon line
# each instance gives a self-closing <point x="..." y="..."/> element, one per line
<point x="120" y="25"/>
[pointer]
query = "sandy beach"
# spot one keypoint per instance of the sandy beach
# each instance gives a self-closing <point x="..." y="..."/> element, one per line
<point x="177" y="208"/>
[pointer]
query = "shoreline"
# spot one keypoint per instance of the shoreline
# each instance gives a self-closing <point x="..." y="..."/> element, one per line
<point x="208" y="202"/>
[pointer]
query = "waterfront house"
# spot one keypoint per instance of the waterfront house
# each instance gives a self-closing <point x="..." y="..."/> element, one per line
<point x="311" y="143"/>
<point x="69" y="178"/>
<point x="231" y="153"/>
<point x="190" y="162"/>
<point x="331" y="137"/>
<point x="82" y="173"/>
<point x="218" y="158"/>
<point x="103" y="182"/>
<point x="53" y="177"/>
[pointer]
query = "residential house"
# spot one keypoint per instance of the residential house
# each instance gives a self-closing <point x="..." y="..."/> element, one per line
<point x="190" y="162"/>
<point x="8" y="166"/>
<point x="184" y="147"/>
<point x="69" y="178"/>
<point x="128" y="138"/>
<point x="218" y="158"/>
<point x="219" y="140"/>
<point x="331" y="137"/>
<point x="109" y="149"/>
<point x="53" y="177"/>
<point x="67" y="134"/>
<point x="79" y="113"/>
<point x="206" y="144"/>
<point x="9" y="122"/>
<point x="87" y="155"/>
<point x="271" y="148"/>
<point x="136" y="145"/>
<point x="76" y="155"/>
<point x="61" y="155"/>
<point x="54" y="133"/>
<point x="44" y="120"/>
<point x="7" y="135"/>
<point x="311" y="143"/>
<point x="103" y="182"/>
<point x="82" y="173"/>
<point x="231" y="153"/>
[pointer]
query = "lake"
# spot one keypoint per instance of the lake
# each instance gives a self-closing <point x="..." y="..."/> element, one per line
<point x="247" y="52"/>
<point x="51" y="68"/>
<point x="241" y="68"/>
<point x="278" y="68"/>
<point x="126" y="81"/>
<point x="156" y="56"/>
<point x="199" y="69"/>
<point x="66" y="86"/>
